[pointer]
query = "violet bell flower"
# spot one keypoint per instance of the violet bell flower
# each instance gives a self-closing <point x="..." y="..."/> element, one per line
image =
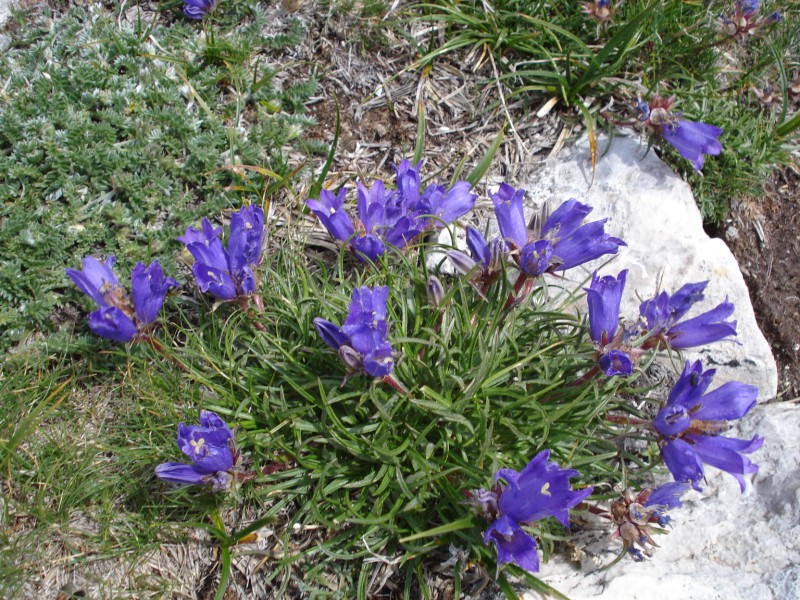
<point x="564" y="241"/>
<point x="603" y="296"/>
<point x="693" y="140"/>
<point x="636" y="515"/>
<point x="662" y="315"/>
<point x="119" y="318"/>
<point x="197" y="9"/>
<point x="362" y="341"/>
<point x="394" y="217"/>
<point x="540" y="490"/>
<point x="211" y="448"/>
<point x="690" y="422"/>
<point x="228" y="274"/>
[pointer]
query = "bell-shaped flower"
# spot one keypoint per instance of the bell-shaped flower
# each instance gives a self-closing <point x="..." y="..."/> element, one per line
<point x="119" y="318"/>
<point x="197" y="9"/>
<point x="394" y="217"/>
<point x="542" y="489"/>
<point x="603" y="296"/>
<point x="693" y="140"/>
<point x="690" y="422"/>
<point x="635" y="516"/>
<point x="329" y="209"/>
<point x="228" y="273"/>
<point x="564" y="241"/>
<point x="211" y="448"/>
<point x="663" y="312"/>
<point x="362" y="341"/>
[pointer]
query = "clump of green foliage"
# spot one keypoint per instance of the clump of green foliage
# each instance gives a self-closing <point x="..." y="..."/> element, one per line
<point x="545" y="49"/>
<point x="116" y="132"/>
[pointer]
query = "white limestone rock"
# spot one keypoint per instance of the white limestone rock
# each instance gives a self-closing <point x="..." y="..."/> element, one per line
<point x="653" y="210"/>
<point x="724" y="544"/>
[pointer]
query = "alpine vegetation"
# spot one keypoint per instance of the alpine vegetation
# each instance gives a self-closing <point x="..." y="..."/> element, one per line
<point x="464" y="374"/>
<point x="372" y="423"/>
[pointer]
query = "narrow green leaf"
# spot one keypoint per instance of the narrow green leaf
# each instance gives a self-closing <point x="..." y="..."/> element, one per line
<point x="439" y="531"/>
<point x="480" y="169"/>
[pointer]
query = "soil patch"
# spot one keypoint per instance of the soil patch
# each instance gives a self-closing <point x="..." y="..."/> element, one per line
<point x="764" y="236"/>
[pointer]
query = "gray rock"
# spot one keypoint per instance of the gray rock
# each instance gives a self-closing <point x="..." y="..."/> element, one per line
<point x="723" y="544"/>
<point x="653" y="210"/>
<point x="5" y="42"/>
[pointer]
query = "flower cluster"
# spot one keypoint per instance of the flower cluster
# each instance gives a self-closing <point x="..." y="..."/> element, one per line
<point x="687" y="427"/>
<point x="540" y="490"/>
<point x="659" y="324"/>
<point x="227" y="273"/>
<point x="635" y="516"/>
<point x="744" y="20"/>
<point x="211" y="448"/>
<point x="119" y="318"/>
<point x="361" y="342"/>
<point x="395" y="217"/>
<point x="562" y="241"/>
<point x="693" y="140"/>
<point x="690" y="422"/>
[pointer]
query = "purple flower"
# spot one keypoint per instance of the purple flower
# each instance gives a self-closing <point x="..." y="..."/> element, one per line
<point x="362" y="341"/>
<point x="119" y="318"/>
<point x="540" y="490"/>
<point x="228" y="274"/>
<point x="395" y="217"/>
<point x="565" y="241"/>
<point x="330" y="211"/>
<point x="663" y="313"/>
<point x="635" y="515"/>
<point x="603" y="296"/>
<point x="693" y="140"/>
<point x="690" y="422"/>
<point x="616" y="362"/>
<point x="197" y="9"/>
<point x="747" y="7"/>
<point x="210" y="447"/>
<point x="510" y="215"/>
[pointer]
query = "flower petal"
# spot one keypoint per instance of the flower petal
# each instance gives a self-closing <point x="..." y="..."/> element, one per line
<point x="513" y="544"/>
<point x="113" y="324"/>
<point x="682" y="461"/>
<point x="730" y="401"/>
<point x="149" y="286"/>
<point x="726" y="454"/>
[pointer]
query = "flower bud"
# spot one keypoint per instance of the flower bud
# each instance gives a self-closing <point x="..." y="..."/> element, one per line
<point x="435" y="291"/>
